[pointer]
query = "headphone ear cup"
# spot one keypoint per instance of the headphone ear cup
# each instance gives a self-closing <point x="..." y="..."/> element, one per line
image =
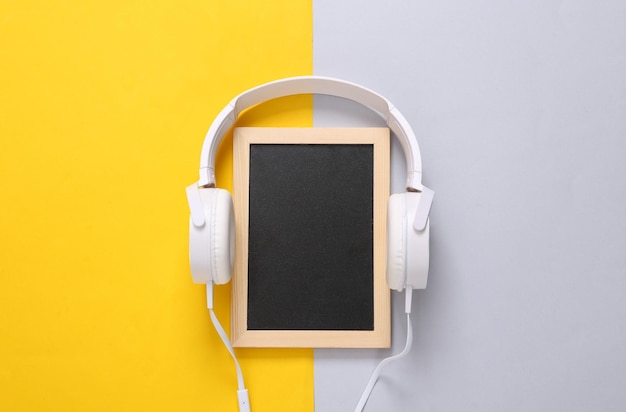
<point x="212" y="245"/>
<point x="407" y="248"/>
<point x="396" y="241"/>
<point x="223" y="241"/>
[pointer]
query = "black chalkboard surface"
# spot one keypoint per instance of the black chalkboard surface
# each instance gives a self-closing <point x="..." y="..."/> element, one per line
<point x="310" y="237"/>
<point x="310" y="217"/>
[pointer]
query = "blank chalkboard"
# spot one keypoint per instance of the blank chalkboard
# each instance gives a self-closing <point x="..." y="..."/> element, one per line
<point x="310" y="208"/>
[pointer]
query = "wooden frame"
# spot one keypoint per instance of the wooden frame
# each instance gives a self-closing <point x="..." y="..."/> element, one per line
<point x="379" y="337"/>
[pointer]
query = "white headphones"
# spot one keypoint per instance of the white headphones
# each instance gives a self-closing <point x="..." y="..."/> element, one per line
<point x="211" y="228"/>
<point x="212" y="224"/>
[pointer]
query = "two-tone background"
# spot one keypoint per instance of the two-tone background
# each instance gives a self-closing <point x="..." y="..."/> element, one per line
<point x="520" y="112"/>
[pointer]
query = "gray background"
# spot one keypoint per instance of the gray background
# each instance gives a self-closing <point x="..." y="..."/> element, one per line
<point x="520" y="112"/>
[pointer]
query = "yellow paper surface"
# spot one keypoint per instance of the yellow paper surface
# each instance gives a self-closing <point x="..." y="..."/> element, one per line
<point x="103" y="110"/>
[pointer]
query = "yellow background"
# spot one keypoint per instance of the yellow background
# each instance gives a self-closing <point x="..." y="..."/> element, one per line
<point x="103" y="110"/>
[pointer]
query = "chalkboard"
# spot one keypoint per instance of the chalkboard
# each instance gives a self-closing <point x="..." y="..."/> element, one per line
<point x="310" y="208"/>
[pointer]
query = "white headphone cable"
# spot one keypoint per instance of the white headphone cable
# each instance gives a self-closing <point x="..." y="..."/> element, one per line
<point x="242" y="392"/>
<point x="384" y="362"/>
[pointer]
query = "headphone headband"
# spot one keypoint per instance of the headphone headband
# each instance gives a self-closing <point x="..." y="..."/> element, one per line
<point x="312" y="85"/>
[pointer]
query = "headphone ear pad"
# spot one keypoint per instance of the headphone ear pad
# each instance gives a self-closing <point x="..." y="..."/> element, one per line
<point x="397" y="222"/>
<point x="223" y="242"/>
<point x="212" y="246"/>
